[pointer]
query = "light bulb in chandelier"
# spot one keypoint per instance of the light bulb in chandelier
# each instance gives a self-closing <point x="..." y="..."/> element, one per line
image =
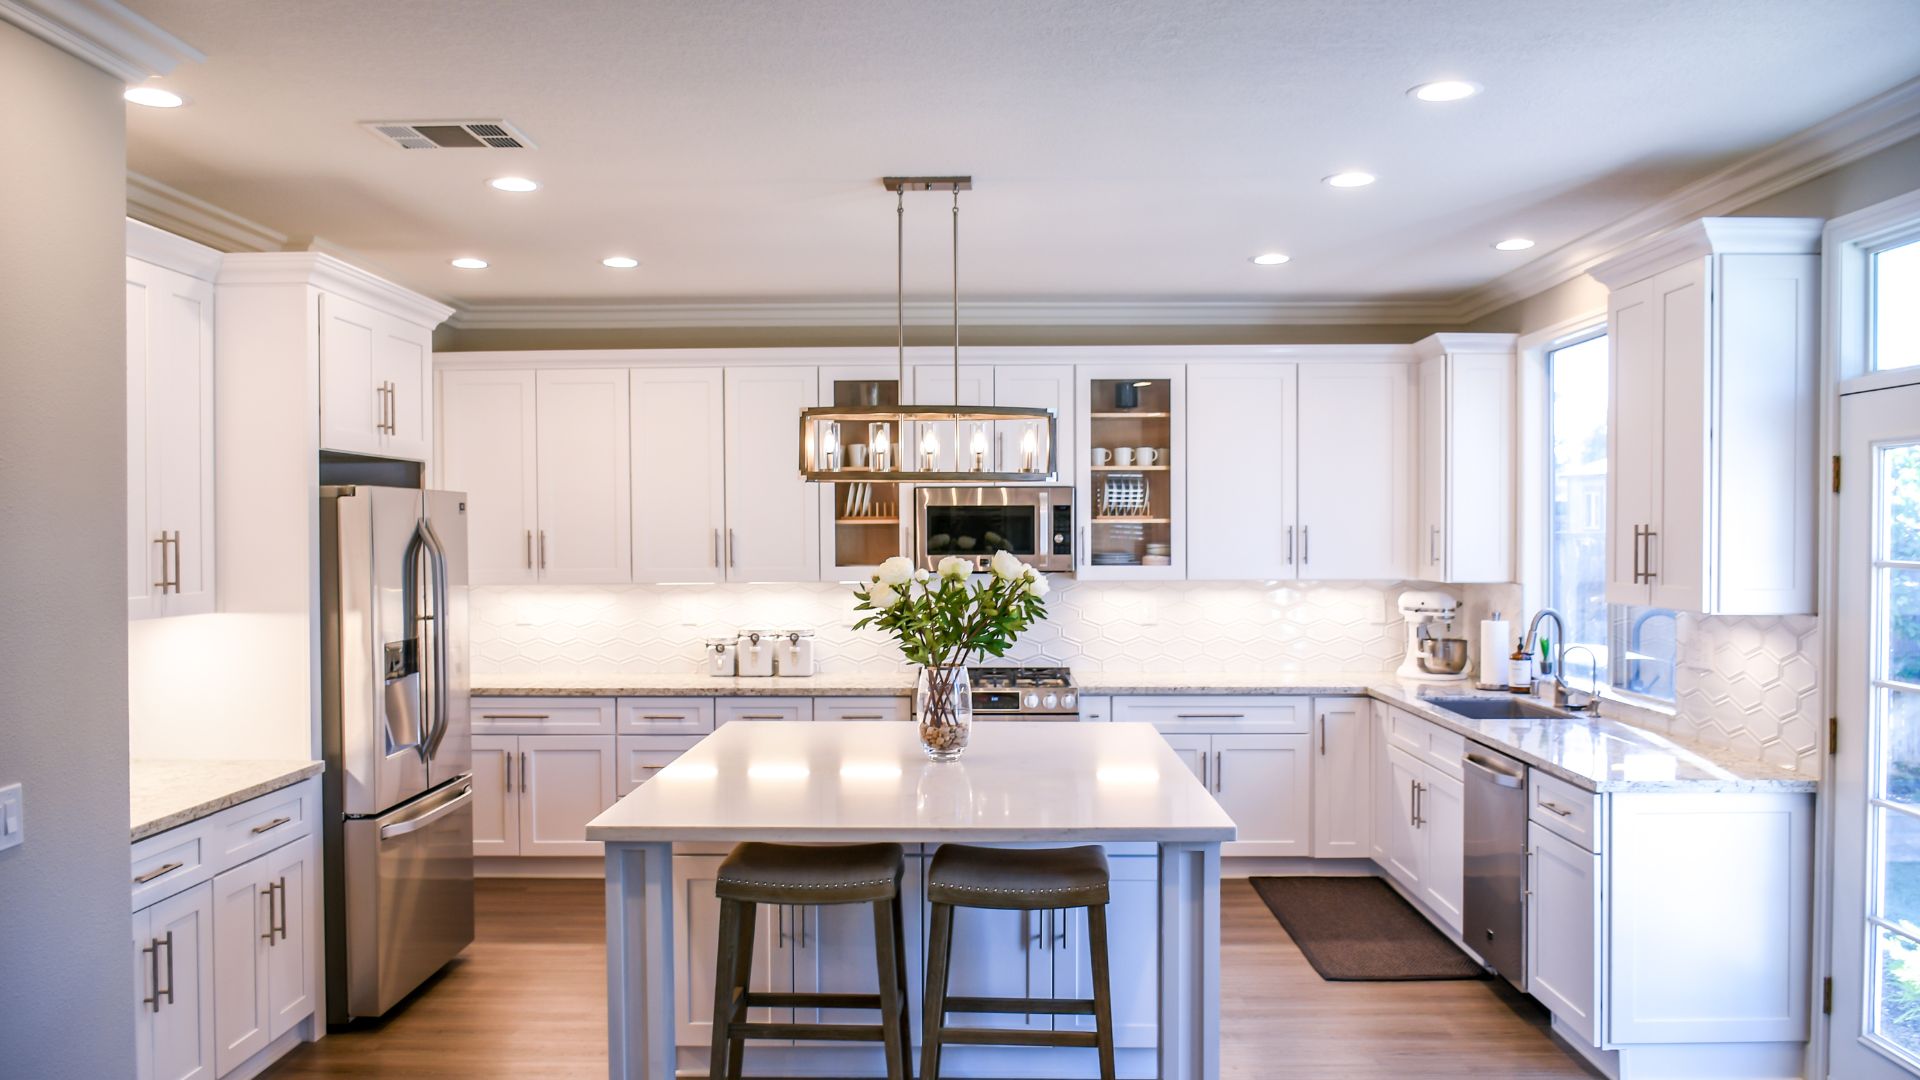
<point x="929" y="448"/>
<point x="977" y="446"/>
<point x="879" y="441"/>
<point x="830" y="445"/>
<point x="1029" y="448"/>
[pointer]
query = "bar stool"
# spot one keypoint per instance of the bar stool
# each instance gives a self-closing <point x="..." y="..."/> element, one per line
<point x="1016" y="880"/>
<point x="792" y="874"/>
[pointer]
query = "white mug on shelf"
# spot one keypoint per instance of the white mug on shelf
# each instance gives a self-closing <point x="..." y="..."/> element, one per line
<point x="1102" y="456"/>
<point x="857" y="455"/>
<point x="1146" y="455"/>
<point x="1161" y="454"/>
<point x="1123" y="455"/>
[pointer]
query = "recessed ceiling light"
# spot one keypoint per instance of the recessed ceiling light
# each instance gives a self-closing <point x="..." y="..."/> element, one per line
<point x="469" y="263"/>
<point x="1517" y="243"/>
<point x="513" y="183"/>
<point x="620" y="262"/>
<point x="1445" y="90"/>
<point x="1271" y="258"/>
<point x="153" y="97"/>
<point x="1352" y="178"/>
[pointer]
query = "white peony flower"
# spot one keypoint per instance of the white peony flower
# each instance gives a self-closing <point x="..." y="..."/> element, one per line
<point x="1031" y="573"/>
<point x="921" y="574"/>
<point x="1038" y="585"/>
<point x="895" y="571"/>
<point x="955" y="568"/>
<point x="1006" y="567"/>
<point x="883" y="596"/>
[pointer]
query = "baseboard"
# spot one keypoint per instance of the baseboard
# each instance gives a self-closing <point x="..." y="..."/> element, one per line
<point x="273" y="1051"/>
<point x="540" y="866"/>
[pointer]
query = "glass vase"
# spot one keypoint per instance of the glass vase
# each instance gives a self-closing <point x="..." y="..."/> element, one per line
<point x="943" y="707"/>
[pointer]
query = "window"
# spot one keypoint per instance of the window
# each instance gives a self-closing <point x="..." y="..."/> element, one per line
<point x="1896" y="306"/>
<point x="1629" y="648"/>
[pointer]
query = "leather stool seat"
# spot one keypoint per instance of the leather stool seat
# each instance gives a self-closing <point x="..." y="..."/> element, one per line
<point x="1018" y="879"/>
<point x="795" y="874"/>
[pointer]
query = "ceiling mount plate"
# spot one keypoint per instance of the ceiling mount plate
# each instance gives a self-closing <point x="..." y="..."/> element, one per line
<point x="928" y="183"/>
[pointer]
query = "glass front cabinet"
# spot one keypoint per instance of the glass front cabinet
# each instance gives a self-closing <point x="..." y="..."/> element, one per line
<point x="863" y="524"/>
<point x="1128" y="484"/>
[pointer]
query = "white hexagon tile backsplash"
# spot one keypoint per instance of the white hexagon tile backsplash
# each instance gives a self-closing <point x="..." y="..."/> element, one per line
<point x="1748" y="683"/>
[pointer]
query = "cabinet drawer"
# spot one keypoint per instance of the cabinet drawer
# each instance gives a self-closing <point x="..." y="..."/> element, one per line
<point x="862" y="708"/>
<point x="641" y="756"/>
<point x="265" y="823"/>
<point x="727" y="710"/>
<point x="543" y="716"/>
<point x="666" y="716"/>
<point x="1409" y="733"/>
<point x="1444" y="750"/>
<point x="1565" y="809"/>
<point x="1223" y="713"/>
<point x="168" y="862"/>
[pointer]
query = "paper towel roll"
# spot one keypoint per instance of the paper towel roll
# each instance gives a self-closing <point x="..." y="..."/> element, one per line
<point x="1494" y="635"/>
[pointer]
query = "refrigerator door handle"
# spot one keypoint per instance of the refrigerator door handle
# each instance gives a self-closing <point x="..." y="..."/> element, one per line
<point x="434" y="628"/>
<point x="415" y="824"/>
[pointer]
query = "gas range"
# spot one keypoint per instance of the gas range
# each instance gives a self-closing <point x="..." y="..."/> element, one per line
<point x="1024" y="693"/>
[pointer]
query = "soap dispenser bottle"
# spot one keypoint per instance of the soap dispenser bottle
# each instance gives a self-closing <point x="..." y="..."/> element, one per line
<point x="1520" y="670"/>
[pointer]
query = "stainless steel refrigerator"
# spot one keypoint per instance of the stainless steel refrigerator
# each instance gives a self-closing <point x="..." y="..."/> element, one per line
<point x="399" y="779"/>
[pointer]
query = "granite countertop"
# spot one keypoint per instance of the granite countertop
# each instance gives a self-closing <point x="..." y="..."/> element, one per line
<point x="1274" y="683"/>
<point x="854" y="780"/>
<point x="696" y="684"/>
<point x="168" y="793"/>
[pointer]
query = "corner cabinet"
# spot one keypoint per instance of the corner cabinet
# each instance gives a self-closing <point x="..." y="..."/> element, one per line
<point x="1713" y="493"/>
<point x="1464" y="530"/>
<point x="170" y="484"/>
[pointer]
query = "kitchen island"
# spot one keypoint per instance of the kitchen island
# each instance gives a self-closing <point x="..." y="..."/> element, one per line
<point x="848" y="782"/>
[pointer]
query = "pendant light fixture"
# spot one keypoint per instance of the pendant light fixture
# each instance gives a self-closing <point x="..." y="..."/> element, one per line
<point x="927" y="444"/>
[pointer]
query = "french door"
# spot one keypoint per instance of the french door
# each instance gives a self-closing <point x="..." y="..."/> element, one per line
<point x="1876" y="791"/>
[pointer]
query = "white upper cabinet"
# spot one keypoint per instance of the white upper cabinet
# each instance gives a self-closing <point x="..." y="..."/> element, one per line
<point x="1240" y="470"/>
<point x="584" y="535"/>
<point x="1355" y="493"/>
<point x="1713" y="487"/>
<point x="1464" y="530"/>
<point x="679" y="473"/>
<point x="373" y="381"/>
<point x="487" y="450"/>
<point x="170" y="492"/>
<point x="773" y="516"/>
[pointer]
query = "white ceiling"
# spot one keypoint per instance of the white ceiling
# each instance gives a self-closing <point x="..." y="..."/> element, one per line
<point x="1120" y="148"/>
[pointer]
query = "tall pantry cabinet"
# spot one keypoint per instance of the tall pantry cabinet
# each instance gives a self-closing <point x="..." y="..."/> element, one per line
<point x="1711" y="437"/>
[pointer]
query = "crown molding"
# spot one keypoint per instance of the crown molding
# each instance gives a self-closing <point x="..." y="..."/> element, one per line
<point x="102" y="33"/>
<point x="1872" y="125"/>
<point x="844" y="313"/>
<point x="162" y="248"/>
<point x="336" y="276"/>
<point x="1434" y="346"/>
<point x="1710" y="236"/>
<point x="179" y="213"/>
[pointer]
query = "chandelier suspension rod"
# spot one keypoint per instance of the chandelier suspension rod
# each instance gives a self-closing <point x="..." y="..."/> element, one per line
<point x="900" y="291"/>
<point x="956" y="301"/>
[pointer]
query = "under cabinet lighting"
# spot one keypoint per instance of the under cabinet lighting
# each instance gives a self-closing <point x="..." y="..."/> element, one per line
<point x="1271" y="258"/>
<point x="1516" y="243"/>
<point x="779" y="770"/>
<point x="153" y="97"/>
<point x="513" y="183"/>
<point x="470" y="263"/>
<point x="1350" y="179"/>
<point x="1445" y="90"/>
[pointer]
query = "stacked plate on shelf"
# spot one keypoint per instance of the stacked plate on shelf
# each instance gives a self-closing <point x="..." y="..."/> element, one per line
<point x="1115" y="558"/>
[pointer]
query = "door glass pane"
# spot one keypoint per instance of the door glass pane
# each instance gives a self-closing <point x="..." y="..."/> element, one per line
<point x="1896" y="306"/>
<point x="1900" y="487"/>
<point x="1900" y="869"/>
<point x="1577" y="531"/>
<point x="1901" y="633"/>
<point x="1896" y="1016"/>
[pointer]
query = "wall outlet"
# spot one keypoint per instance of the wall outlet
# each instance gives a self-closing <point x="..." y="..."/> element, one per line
<point x="13" y="822"/>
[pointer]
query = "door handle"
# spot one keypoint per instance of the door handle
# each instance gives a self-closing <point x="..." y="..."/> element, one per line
<point x="543" y="549"/>
<point x="1526" y="874"/>
<point x="1306" y="555"/>
<point x="730" y="559"/>
<point x="281" y="927"/>
<point x="1206" y="778"/>
<point x="716" y="549"/>
<point x="416" y="824"/>
<point x="506" y="772"/>
<point x="1419" y="807"/>
<point x="154" y="951"/>
<point x="780" y="913"/>
<point x="1552" y="808"/>
<point x="1651" y="572"/>
<point x="1059" y="919"/>
<point x="529" y="549"/>
<point x="268" y="892"/>
<point x="1289" y="545"/>
<point x="269" y="826"/>
<point x="157" y="872"/>
<point x="1323" y="734"/>
<point x="1219" y="771"/>
<point x="1433" y="545"/>
<point x="1639" y="535"/>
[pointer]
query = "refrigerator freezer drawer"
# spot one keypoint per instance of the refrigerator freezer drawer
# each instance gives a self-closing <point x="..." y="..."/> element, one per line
<point x="409" y="891"/>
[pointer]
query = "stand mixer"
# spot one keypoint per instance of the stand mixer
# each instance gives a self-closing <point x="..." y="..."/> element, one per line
<point x="1433" y="653"/>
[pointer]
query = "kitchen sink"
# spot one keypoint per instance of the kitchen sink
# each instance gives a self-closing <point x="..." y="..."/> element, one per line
<point x="1497" y="708"/>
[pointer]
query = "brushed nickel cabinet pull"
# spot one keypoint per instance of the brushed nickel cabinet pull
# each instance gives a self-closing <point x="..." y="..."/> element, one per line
<point x="716" y="549"/>
<point x="862" y="716"/>
<point x="176" y="561"/>
<point x="1433" y="545"/>
<point x="1210" y="716"/>
<point x="1323" y="734"/>
<point x="153" y="951"/>
<point x="281" y="927"/>
<point x="1652" y="573"/>
<point x="1553" y="808"/>
<point x="526" y="781"/>
<point x="529" y="549"/>
<point x="270" y="826"/>
<point x="1526" y="886"/>
<point x="1206" y="775"/>
<point x="543" y="549"/>
<point x="761" y="716"/>
<point x="655" y="716"/>
<point x="1219" y="771"/>
<point x="513" y="716"/>
<point x="1289" y="545"/>
<point x="1305" y="551"/>
<point x="506" y="772"/>
<point x="268" y="893"/>
<point x="157" y="872"/>
<point x="162" y="541"/>
<point x="730" y="558"/>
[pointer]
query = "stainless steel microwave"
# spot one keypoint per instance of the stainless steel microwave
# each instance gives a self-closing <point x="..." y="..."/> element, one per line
<point x="1034" y="523"/>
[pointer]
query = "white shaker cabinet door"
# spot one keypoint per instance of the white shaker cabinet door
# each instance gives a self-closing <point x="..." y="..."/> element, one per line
<point x="1240" y="471"/>
<point x="1196" y="753"/>
<point x="1342" y="778"/>
<point x="292" y="961"/>
<point x="1633" y="437"/>
<point x="496" y="799"/>
<point x="1133" y="959"/>
<point x="999" y="953"/>
<point x="679" y="474"/>
<point x="1265" y="784"/>
<point x="353" y="403"/>
<point x="773" y="516"/>
<point x="170" y="520"/>
<point x="1443" y="823"/>
<point x="1355" y="505"/>
<point x="1563" y="946"/>
<point x="244" y="907"/>
<point x="1676" y="558"/>
<point x="585" y="531"/>
<point x="487" y="450"/>
<point x="565" y="782"/>
<point x="403" y="364"/>
<point x="1405" y="845"/>
<point x="696" y="947"/>
<point x="176" y="957"/>
<point x="1430" y="533"/>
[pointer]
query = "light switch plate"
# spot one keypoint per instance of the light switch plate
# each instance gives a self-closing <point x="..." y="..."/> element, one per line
<point x="13" y="822"/>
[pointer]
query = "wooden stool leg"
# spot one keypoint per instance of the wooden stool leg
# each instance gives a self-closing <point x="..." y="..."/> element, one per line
<point x="886" y="966"/>
<point x="1102" y="988"/>
<point x="725" y="973"/>
<point x="900" y="978"/>
<point x="933" y="1021"/>
<point x="742" y="978"/>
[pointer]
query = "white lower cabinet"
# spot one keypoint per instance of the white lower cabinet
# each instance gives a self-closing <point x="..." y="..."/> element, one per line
<point x="263" y="954"/>
<point x="1264" y="781"/>
<point x="1563" y="930"/>
<point x="173" y="987"/>
<point x="534" y="794"/>
<point x="1342" y="778"/>
<point x="1426" y="833"/>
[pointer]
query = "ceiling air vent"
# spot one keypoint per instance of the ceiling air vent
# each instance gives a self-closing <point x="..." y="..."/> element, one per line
<point x="450" y="134"/>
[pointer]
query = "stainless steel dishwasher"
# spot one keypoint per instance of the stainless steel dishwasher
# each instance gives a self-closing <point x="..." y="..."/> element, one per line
<point x="1496" y="862"/>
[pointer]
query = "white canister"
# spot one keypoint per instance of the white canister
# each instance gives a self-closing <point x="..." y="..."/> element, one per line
<point x="722" y="656"/>
<point x="756" y="653"/>
<point x="793" y="653"/>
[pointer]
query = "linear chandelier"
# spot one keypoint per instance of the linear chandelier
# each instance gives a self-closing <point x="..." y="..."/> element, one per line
<point x="926" y="444"/>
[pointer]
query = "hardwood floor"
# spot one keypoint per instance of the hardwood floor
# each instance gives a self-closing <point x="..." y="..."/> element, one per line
<point x="528" y="1001"/>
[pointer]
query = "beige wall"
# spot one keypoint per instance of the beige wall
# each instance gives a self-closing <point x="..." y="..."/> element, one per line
<point x="447" y="339"/>
<point x="66" y="1006"/>
<point x="1874" y="178"/>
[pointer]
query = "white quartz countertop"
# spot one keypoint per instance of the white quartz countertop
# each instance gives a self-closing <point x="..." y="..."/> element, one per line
<point x="169" y="793"/>
<point x="868" y="780"/>
<point x="696" y="684"/>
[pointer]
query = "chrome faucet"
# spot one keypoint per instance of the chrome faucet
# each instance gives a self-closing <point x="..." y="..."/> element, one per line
<point x="1562" y="693"/>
